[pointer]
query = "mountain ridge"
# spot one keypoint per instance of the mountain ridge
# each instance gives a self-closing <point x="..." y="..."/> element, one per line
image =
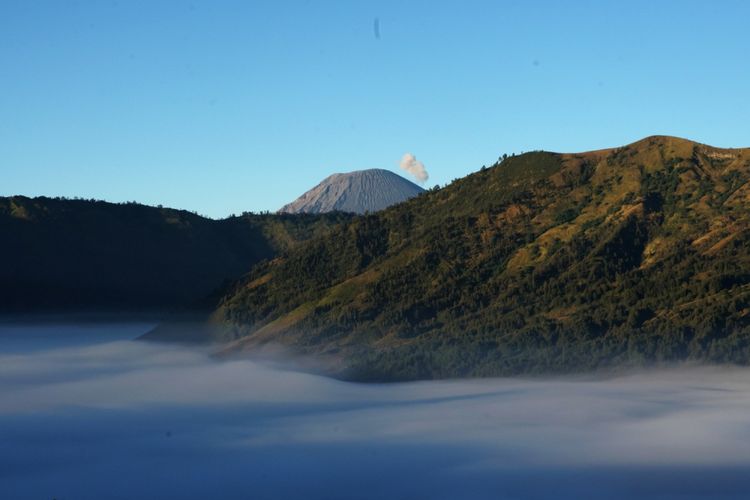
<point x="543" y="262"/>
<point x="70" y="255"/>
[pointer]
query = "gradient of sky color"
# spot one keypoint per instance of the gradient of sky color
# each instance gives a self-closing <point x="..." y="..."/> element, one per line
<point x="226" y="106"/>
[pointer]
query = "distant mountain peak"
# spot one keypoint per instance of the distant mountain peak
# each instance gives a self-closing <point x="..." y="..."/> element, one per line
<point x="358" y="192"/>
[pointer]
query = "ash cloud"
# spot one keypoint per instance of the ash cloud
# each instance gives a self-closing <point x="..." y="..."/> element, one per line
<point x="416" y="168"/>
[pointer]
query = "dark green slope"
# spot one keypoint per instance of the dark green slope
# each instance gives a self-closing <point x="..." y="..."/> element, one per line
<point x="544" y="262"/>
<point x="65" y="255"/>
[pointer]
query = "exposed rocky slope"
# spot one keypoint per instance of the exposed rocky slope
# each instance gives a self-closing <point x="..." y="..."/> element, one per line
<point x="357" y="192"/>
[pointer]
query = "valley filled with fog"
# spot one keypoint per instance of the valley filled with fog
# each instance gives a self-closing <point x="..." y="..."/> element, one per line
<point x="88" y="413"/>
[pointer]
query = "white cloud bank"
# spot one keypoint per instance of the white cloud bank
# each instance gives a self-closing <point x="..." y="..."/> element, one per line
<point x="123" y="409"/>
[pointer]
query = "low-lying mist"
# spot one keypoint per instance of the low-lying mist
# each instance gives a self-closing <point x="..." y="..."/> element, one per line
<point x="124" y="419"/>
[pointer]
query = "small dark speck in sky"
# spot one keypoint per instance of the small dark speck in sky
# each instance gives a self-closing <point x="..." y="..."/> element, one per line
<point x="376" y="28"/>
<point x="536" y="62"/>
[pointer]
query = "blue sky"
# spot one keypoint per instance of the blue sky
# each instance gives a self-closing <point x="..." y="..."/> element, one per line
<point x="221" y="107"/>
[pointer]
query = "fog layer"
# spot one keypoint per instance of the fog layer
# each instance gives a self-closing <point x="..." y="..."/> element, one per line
<point x="124" y="419"/>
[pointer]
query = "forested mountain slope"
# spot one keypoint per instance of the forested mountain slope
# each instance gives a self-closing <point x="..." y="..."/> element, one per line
<point x="543" y="262"/>
<point x="63" y="255"/>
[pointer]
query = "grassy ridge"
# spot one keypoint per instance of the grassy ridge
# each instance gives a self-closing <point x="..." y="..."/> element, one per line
<point x="542" y="262"/>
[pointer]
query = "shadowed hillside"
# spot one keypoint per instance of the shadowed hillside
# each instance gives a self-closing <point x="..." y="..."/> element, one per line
<point x="543" y="262"/>
<point x="74" y="254"/>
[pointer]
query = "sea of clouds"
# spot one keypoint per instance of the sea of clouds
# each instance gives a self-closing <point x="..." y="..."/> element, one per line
<point x="102" y="416"/>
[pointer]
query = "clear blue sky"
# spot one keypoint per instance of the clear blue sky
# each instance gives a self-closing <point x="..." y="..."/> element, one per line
<point x="222" y="107"/>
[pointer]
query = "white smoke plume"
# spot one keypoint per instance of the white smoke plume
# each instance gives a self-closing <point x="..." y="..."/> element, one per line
<point x="415" y="167"/>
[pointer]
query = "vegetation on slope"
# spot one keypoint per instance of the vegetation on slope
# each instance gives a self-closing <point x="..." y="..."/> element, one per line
<point x="543" y="262"/>
<point x="77" y="254"/>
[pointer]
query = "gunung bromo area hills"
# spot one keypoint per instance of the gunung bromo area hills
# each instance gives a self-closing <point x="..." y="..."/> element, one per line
<point x="383" y="250"/>
<point x="543" y="263"/>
